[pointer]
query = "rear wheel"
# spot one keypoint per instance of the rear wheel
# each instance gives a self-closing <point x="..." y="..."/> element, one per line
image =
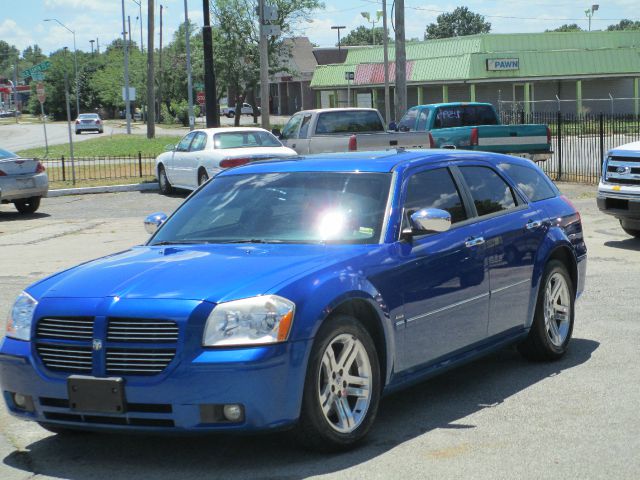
<point x="202" y="177"/>
<point x="342" y="387"/>
<point x="163" y="181"/>
<point x="230" y="115"/>
<point x="77" y="132"/>
<point x="552" y="325"/>
<point x="27" y="205"/>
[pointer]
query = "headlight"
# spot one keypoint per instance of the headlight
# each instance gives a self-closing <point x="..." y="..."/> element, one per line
<point x="250" y="321"/>
<point x="21" y="316"/>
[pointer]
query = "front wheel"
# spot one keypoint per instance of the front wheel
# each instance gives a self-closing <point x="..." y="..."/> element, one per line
<point x="28" y="205"/>
<point x="552" y="325"/>
<point x="630" y="231"/>
<point x="230" y="115"/>
<point x="163" y="181"/>
<point x="342" y="387"/>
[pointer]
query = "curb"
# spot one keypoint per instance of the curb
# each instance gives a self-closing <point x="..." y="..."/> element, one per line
<point x="135" y="187"/>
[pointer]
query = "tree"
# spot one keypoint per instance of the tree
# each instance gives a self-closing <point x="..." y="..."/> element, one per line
<point x="8" y="54"/>
<point x="625" y="24"/>
<point x="574" y="27"/>
<point x="363" y="36"/>
<point x="458" y="23"/>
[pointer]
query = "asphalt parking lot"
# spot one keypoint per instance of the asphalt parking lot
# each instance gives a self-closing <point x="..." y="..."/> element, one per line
<point x="497" y="418"/>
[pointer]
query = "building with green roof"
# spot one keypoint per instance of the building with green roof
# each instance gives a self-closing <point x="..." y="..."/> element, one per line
<point x="578" y="72"/>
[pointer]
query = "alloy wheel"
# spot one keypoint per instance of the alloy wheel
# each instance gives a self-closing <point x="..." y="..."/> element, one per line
<point x="557" y="309"/>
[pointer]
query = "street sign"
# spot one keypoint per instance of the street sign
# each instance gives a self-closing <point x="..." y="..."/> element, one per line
<point x="271" y="30"/>
<point x="200" y="98"/>
<point x="349" y="75"/>
<point x="37" y="76"/>
<point x="132" y="94"/>
<point x="198" y="86"/>
<point x="270" y="13"/>
<point x="39" y="68"/>
<point x="41" y="93"/>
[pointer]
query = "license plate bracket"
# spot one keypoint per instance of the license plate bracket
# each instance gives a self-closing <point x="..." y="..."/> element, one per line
<point x="96" y="395"/>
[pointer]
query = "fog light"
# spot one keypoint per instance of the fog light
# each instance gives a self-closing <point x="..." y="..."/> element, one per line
<point x="233" y="412"/>
<point x="23" y="402"/>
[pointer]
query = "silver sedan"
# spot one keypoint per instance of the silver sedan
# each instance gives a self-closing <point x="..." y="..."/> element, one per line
<point x="23" y="181"/>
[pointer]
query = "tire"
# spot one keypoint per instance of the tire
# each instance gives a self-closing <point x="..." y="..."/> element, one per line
<point x="100" y="131"/>
<point x="346" y="418"/>
<point x="27" y="205"/>
<point x="552" y="325"/>
<point x="630" y="231"/>
<point x="202" y="177"/>
<point x="163" y="182"/>
<point x="77" y="132"/>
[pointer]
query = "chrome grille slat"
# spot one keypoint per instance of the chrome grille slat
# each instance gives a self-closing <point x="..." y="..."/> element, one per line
<point x="66" y="358"/>
<point x="142" y="330"/>
<point x="139" y="361"/>
<point x="73" y="328"/>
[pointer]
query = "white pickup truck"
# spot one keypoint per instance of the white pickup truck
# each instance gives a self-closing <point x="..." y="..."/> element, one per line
<point x="230" y="112"/>
<point x="331" y="130"/>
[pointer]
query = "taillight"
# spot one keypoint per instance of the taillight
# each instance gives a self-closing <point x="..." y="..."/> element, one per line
<point x="570" y="203"/>
<point x="432" y="142"/>
<point x="548" y="135"/>
<point x="97" y="122"/>
<point x="77" y="122"/>
<point x="353" y="143"/>
<point x="233" y="162"/>
<point x="473" y="141"/>
<point x="40" y="167"/>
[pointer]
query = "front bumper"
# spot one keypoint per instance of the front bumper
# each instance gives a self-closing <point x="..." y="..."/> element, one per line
<point x="268" y="382"/>
<point x="23" y="186"/>
<point x="621" y="201"/>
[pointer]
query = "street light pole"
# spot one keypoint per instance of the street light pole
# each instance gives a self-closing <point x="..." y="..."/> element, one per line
<point x="338" y="28"/>
<point x="385" y="43"/>
<point x="373" y="21"/>
<point x="589" y="13"/>
<point x="91" y="42"/>
<point x="75" y="60"/>
<point x="189" y="84"/>
<point x="126" y="73"/>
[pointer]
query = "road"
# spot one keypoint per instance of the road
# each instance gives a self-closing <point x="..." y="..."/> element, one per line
<point x="497" y="418"/>
<point x="24" y="135"/>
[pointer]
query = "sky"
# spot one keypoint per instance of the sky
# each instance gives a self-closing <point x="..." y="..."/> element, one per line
<point x="22" y="24"/>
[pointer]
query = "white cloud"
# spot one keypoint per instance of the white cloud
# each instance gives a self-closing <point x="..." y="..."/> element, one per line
<point x="14" y="35"/>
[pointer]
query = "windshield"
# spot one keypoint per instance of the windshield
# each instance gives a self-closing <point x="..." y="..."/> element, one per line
<point x="296" y="207"/>
<point x="6" y="154"/>
<point x="88" y="115"/>
<point x="245" y="140"/>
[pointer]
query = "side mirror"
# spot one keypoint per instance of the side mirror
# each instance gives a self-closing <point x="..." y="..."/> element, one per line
<point x="393" y="126"/>
<point x="431" y="220"/>
<point x="277" y="132"/>
<point x="152" y="222"/>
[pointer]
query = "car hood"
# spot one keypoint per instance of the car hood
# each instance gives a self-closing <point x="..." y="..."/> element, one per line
<point x="215" y="273"/>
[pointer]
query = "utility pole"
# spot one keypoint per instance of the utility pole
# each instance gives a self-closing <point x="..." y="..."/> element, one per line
<point x="139" y="3"/>
<point x="211" y="98"/>
<point x="401" y="61"/>
<point x="189" y="81"/>
<point x="589" y="13"/>
<point x="98" y="45"/>
<point x="373" y="21"/>
<point x="338" y="28"/>
<point x="66" y="96"/>
<point x="385" y="48"/>
<point x="126" y="73"/>
<point x="92" y="42"/>
<point x="160" y="69"/>
<point x="151" y="95"/>
<point x="264" y="69"/>
<point x="15" y="89"/>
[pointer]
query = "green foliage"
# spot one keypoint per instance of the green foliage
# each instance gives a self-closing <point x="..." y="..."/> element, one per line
<point x="458" y="23"/>
<point x="181" y="111"/>
<point x="625" y="24"/>
<point x="573" y="27"/>
<point x="8" y="54"/>
<point x="364" y="36"/>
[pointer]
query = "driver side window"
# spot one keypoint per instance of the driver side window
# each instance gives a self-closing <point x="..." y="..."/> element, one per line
<point x="433" y="189"/>
<point x="183" y="146"/>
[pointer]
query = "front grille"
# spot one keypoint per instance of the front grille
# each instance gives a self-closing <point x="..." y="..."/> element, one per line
<point x="142" y="330"/>
<point x="624" y="181"/>
<point x="75" y="359"/>
<point x="122" y="361"/>
<point x="72" y="328"/>
<point x="625" y="159"/>
<point x="66" y="344"/>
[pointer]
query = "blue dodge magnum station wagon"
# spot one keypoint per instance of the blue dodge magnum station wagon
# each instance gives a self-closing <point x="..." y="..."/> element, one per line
<point x="296" y="293"/>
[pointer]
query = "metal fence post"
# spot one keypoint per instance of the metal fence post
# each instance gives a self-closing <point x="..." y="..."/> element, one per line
<point x="601" y="158"/>
<point x="140" y="163"/>
<point x="64" y="175"/>
<point x="559" y="142"/>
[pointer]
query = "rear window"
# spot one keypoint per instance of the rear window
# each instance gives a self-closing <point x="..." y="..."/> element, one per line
<point x="245" y="140"/>
<point x="349" y="122"/>
<point x="535" y="184"/>
<point x="465" y="116"/>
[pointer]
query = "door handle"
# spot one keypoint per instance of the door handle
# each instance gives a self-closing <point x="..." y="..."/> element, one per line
<point x="474" y="242"/>
<point x="533" y="224"/>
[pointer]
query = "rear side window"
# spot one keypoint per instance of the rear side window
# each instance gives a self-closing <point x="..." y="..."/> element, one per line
<point x="465" y="116"/>
<point x="489" y="191"/>
<point x="349" y="122"/>
<point x="434" y="189"/>
<point x="535" y="185"/>
<point x="408" y="122"/>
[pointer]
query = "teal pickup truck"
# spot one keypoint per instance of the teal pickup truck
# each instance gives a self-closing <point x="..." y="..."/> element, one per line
<point x="476" y="126"/>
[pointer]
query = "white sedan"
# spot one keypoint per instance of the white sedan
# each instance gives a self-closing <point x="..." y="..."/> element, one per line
<point x="23" y="181"/>
<point x="201" y="154"/>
